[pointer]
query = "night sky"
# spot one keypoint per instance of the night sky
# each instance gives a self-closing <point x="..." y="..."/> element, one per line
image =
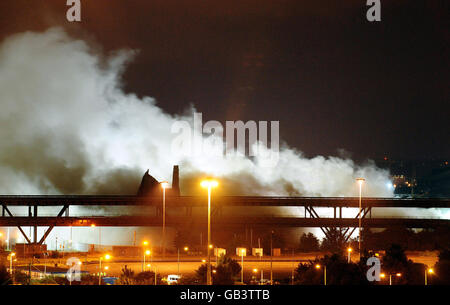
<point x="332" y="79"/>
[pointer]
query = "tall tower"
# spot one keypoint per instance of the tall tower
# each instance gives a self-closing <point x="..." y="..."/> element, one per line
<point x="176" y="181"/>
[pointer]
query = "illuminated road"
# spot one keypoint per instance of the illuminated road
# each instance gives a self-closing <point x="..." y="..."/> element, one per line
<point x="282" y="266"/>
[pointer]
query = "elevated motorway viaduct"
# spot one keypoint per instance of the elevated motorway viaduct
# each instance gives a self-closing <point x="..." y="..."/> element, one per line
<point x="193" y="201"/>
<point x="223" y="221"/>
<point x="310" y="219"/>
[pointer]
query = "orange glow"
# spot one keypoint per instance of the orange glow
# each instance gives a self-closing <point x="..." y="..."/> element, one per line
<point x="209" y="183"/>
<point x="164" y="184"/>
<point x="360" y="180"/>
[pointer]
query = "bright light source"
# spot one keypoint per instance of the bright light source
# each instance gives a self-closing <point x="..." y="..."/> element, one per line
<point x="209" y="183"/>
<point x="145" y="243"/>
<point x="186" y="248"/>
<point x="360" y="180"/>
<point x="349" y="250"/>
<point x="255" y="270"/>
<point x="430" y="270"/>
<point x="13" y="254"/>
<point x="147" y="252"/>
<point x="164" y="184"/>
<point x="203" y="260"/>
<point x="79" y="263"/>
<point x="106" y="267"/>
<point x="211" y="246"/>
<point x="398" y="274"/>
<point x="382" y="275"/>
<point x="93" y="225"/>
<point x="317" y="266"/>
<point x="107" y="256"/>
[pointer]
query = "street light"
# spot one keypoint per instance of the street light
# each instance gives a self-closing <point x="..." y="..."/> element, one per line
<point x="382" y="275"/>
<point x="271" y="258"/>
<point x="209" y="183"/>
<point x="349" y="258"/>
<point x="242" y="253"/>
<point x="106" y="257"/>
<point x="164" y="185"/>
<point x="255" y="271"/>
<point x="360" y="182"/>
<point x="185" y="250"/>
<point x="10" y="262"/>
<point x="146" y="252"/>
<point x="428" y="271"/>
<point x="318" y="266"/>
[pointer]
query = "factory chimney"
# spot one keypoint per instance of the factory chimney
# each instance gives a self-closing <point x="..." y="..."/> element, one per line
<point x="176" y="181"/>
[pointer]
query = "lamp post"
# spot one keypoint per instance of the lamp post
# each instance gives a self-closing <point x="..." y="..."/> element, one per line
<point x="324" y="273"/>
<point x="209" y="183"/>
<point x="146" y="252"/>
<point x="10" y="262"/>
<point x="107" y="257"/>
<point x="382" y="275"/>
<point x="7" y="240"/>
<point x="145" y="243"/>
<point x="242" y="252"/>
<point x="185" y="250"/>
<point x="164" y="185"/>
<point x="430" y="271"/>
<point x="255" y="271"/>
<point x="349" y="257"/>
<point x="271" y="258"/>
<point x="360" y="182"/>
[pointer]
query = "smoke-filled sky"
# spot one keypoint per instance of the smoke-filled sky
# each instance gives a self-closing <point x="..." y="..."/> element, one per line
<point x="69" y="128"/>
<point x="87" y="108"/>
<point x="332" y="79"/>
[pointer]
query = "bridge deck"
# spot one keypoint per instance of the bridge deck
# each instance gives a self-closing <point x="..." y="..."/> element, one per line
<point x="192" y="201"/>
<point x="222" y="221"/>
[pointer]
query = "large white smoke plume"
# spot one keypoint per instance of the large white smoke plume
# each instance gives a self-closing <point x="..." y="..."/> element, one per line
<point x="68" y="128"/>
